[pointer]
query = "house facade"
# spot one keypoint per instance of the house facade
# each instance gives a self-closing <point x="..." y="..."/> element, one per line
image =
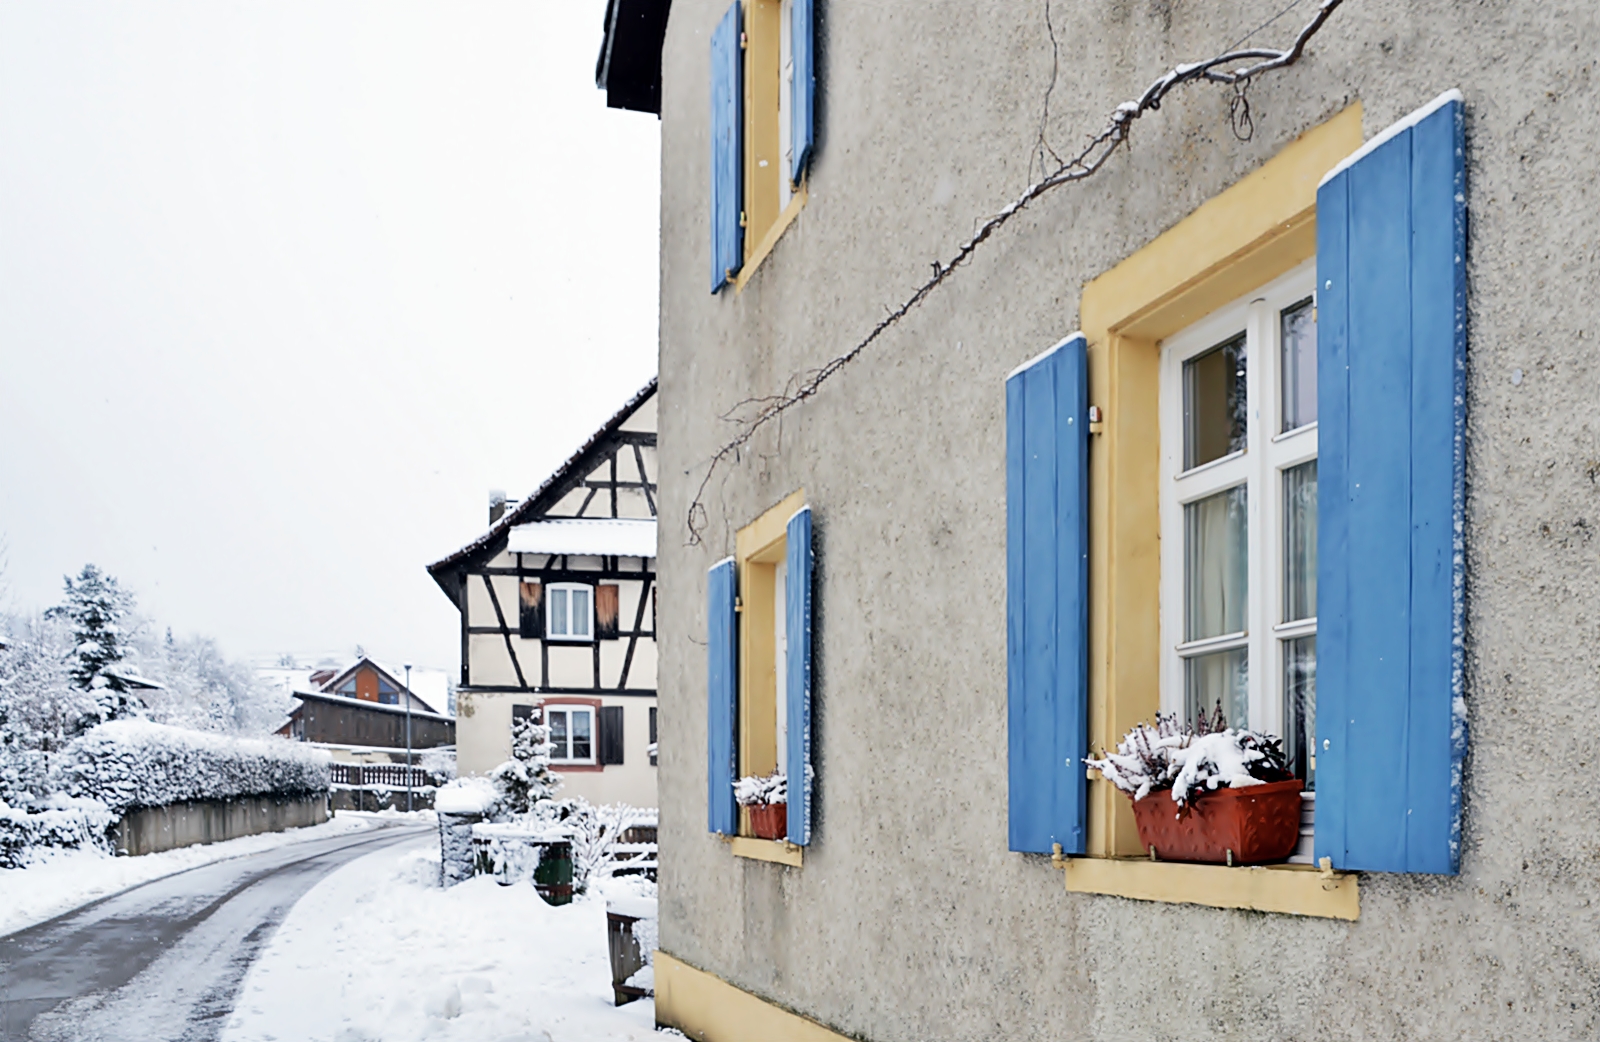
<point x="557" y="602"/>
<point x="1289" y="407"/>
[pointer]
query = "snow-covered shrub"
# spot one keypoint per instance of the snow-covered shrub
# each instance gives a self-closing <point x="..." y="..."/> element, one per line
<point x="755" y="790"/>
<point x="440" y="763"/>
<point x="1191" y="761"/>
<point x="135" y="763"/>
<point x="467" y="796"/>
<point x="526" y="778"/>
<point x="592" y="831"/>
<point x="60" y="822"/>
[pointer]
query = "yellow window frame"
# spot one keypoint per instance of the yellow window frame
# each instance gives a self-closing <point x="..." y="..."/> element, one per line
<point x="759" y="548"/>
<point x="763" y="157"/>
<point x="1256" y="230"/>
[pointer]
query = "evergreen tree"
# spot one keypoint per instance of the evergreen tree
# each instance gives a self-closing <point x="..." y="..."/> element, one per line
<point x="97" y="607"/>
<point x="526" y="778"/>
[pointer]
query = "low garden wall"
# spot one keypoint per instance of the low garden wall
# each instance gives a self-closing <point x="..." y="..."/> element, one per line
<point x="149" y="830"/>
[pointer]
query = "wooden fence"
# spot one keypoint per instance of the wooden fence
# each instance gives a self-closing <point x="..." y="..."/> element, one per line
<point x="387" y="775"/>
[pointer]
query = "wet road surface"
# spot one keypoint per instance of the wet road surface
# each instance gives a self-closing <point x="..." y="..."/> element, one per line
<point x="163" y="962"/>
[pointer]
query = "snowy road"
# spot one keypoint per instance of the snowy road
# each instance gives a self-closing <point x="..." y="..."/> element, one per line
<point x="163" y="961"/>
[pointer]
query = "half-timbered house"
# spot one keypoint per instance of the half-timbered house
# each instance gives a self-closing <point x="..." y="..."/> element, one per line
<point x="557" y="607"/>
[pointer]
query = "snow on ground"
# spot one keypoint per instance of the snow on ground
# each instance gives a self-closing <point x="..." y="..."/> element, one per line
<point x="62" y="880"/>
<point x="376" y="951"/>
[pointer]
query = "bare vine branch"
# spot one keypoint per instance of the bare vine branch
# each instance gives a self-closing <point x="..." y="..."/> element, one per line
<point x="1236" y="68"/>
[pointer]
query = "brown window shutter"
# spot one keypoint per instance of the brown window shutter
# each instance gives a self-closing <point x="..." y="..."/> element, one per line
<point x="605" y="612"/>
<point x="531" y="618"/>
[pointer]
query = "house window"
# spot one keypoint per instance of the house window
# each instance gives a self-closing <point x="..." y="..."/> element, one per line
<point x="571" y="612"/>
<point x="762" y="92"/>
<point x="759" y="682"/>
<point x="652" y="736"/>
<point x="571" y="733"/>
<point x="1238" y="516"/>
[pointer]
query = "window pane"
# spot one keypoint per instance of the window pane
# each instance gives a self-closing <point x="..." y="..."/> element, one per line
<point x="558" y="734"/>
<point x="1220" y="678"/>
<point x="580" y="612"/>
<point x="1300" y="707"/>
<point x="1298" y="326"/>
<point x="582" y="734"/>
<point x="1214" y="403"/>
<point x="558" y="613"/>
<point x="1300" y="542"/>
<point x="1216" y="564"/>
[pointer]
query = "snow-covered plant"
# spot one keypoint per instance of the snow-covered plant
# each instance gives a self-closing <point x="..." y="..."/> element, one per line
<point x="756" y="790"/>
<point x="1191" y="760"/>
<point x="440" y="763"/>
<point x="526" y="778"/>
<point x="136" y="763"/>
<point x="96" y="607"/>
<point x="592" y="830"/>
<point x="59" y="823"/>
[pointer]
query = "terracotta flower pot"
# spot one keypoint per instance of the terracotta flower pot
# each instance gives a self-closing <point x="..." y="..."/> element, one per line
<point x="1257" y="823"/>
<point x="769" y="820"/>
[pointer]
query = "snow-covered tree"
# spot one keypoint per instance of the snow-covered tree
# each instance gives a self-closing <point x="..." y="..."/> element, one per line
<point x="526" y="778"/>
<point x="41" y="706"/>
<point x="97" y="606"/>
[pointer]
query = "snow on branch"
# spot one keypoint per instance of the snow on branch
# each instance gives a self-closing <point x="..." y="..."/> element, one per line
<point x="1236" y="68"/>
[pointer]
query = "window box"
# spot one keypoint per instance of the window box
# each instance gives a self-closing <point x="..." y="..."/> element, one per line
<point x="769" y="820"/>
<point x="1230" y="826"/>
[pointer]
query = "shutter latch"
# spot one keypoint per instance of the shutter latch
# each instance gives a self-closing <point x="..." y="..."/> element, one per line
<point x="1097" y="420"/>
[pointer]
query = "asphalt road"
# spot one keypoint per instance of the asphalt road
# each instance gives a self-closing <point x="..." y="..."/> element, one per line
<point x="163" y="961"/>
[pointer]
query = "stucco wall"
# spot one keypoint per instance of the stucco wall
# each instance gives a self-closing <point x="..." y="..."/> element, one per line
<point x="910" y="920"/>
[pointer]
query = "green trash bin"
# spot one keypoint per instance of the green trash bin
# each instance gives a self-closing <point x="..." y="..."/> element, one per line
<point x="553" y="877"/>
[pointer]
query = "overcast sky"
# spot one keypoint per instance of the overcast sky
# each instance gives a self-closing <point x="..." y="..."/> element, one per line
<point x="286" y="287"/>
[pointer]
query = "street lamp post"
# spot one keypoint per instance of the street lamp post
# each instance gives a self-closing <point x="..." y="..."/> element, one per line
<point x="410" y="779"/>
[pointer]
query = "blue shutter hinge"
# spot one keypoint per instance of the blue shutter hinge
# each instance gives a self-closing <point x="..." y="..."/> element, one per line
<point x="738" y="603"/>
<point x="1058" y="860"/>
<point x="743" y="223"/>
<point x="1097" y="420"/>
<point x="744" y="41"/>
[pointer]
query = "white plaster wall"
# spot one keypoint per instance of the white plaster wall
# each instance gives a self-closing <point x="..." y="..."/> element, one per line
<point x="483" y="742"/>
<point x="910" y="920"/>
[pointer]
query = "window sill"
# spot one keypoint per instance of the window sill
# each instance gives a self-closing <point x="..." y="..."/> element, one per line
<point x="775" y="850"/>
<point x="753" y="262"/>
<point x="1289" y="889"/>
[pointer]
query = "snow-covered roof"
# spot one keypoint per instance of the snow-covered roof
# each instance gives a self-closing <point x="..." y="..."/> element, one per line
<point x="617" y="537"/>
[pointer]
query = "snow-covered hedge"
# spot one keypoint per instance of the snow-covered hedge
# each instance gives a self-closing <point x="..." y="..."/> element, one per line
<point x="134" y="763"/>
<point x="1191" y="762"/>
<point x="60" y="822"/>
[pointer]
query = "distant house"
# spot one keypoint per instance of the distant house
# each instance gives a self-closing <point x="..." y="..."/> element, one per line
<point x="557" y="607"/>
<point x="359" y="714"/>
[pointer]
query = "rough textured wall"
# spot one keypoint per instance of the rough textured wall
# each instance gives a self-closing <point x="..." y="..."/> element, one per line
<point x="910" y="920"/>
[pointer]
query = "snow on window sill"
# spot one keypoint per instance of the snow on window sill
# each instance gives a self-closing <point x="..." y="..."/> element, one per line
<point x="1288" y="889"/>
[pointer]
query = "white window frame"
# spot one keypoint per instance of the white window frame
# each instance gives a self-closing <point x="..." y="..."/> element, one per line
<point x="594" y="734"/>
<point x="1260" y="467"/>
<point x="550" y="614"/>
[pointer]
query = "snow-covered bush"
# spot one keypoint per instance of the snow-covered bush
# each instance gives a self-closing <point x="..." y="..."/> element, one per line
<point x="60" y="822"/>
<point x="756" y="790"/>
<point x="440" y="763"/>
<point x="526" y="778"/>
<point x="135" y="763"/>
<point x="1191" y="761"/>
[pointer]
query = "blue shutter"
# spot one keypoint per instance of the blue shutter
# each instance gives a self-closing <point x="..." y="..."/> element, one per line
<point x="722" y="692"/>
<point x="1391" y="402"/>
<point x="798" y="681"/>
<point x="803" y="91"/>
<point x="727" y="148"/>
<point x="1047" y="598"/>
